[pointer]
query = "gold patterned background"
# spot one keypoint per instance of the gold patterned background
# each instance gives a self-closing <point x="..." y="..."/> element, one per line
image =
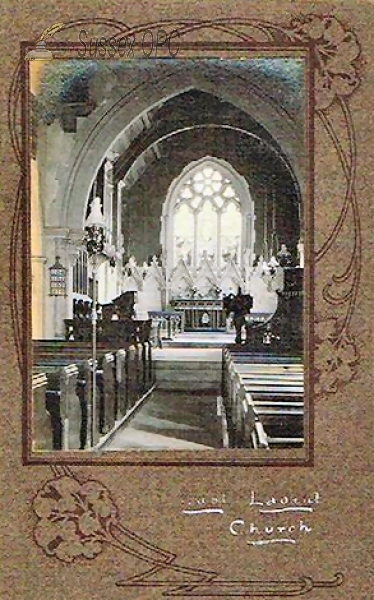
<point x="123" y="531"/>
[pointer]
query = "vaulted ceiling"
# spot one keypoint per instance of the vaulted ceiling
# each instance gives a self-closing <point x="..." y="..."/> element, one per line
<point x="210" y="113"/>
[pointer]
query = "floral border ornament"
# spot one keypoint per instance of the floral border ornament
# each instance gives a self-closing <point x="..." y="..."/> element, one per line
<point x="336" y="357"/>
<point x="336" y="52"/>
<point x="76" y="518"/>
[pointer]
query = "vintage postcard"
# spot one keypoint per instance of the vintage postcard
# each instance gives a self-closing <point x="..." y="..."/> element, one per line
<point x="170" y="312"/>
<point x="186" y="314"/>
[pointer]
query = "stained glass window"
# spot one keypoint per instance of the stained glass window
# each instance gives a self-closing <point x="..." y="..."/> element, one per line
<point x="207" y="219"/>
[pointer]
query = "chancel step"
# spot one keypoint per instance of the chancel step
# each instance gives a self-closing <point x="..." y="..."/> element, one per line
<point x="179" y="369"/>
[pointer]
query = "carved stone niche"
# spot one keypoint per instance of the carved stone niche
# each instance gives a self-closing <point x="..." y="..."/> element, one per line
<point x="230" y="278"/>
<point x="150" y="298"/>
<point x="181" y="282"/>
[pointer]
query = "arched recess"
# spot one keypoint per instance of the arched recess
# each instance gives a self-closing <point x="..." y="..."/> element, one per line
<point x="240" y="195"/>
<point x="106" y="124"/>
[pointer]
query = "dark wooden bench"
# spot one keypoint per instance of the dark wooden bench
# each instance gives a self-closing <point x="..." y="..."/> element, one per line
<point x="141" y="353"/>
<point x="122" y="377"/>
<point x="263" y="398"/>
<point x="64" y="403"/>
<point x="42" y="438"/>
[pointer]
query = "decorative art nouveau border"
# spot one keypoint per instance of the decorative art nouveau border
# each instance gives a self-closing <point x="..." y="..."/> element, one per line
<point x="76" y="517"/>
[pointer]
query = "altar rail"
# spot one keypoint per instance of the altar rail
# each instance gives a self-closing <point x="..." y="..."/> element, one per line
<point x="62" y="391"/>
<point x="166" y="324"/>
<point x="262" y="399"/>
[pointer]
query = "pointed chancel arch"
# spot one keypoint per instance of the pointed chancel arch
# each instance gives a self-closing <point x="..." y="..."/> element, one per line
<point x="99" y="131"/>
<point x="208" y="214"/>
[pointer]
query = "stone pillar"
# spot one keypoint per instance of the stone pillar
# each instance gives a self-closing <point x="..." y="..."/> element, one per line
<point x="108" y="199"/>
<point x="248" y="237"/>
<point x="119" y="236"/>
<point x="107" y="276"/>
<point x="265" y="244"/>
<point x="38" y="296"/>
<point x="274" y="246"/>
<point x="167" y="242"/>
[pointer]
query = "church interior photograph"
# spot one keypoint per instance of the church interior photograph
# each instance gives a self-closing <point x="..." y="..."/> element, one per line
<point x="167" y="232"/>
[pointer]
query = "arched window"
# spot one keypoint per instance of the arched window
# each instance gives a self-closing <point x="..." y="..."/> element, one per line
<point x="208" y="214"/>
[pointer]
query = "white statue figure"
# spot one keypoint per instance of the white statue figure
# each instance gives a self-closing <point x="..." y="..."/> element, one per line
<point x="273" y="263"/>
<point x="132" y="262"/>
<point x="265" y="268"/>
<point x="300" y="252"/>
<point x="96" y="216"/>
<point x="145" y="269"/>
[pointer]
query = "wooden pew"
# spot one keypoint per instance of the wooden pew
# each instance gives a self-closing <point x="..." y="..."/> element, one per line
<point x="90" y="432"/>
<point x="71" y="413"/>
<point x="263" y="398"/>
<point x="254" y="428"/>
<point x="65" y="398"/>
<point x="249" y="431"/>
<point x="63" y="404"/>
<point x="41" y="419"/>
<point x="122" y="378"/>
<point x="70" y="397"/>
<point x="147" y="366"/>
<point x="282" y="420"/>
<point x="71" y="350"/>
<point x="265" y="424"/>
<point x="241" y="354"/>
<point x="133" y="376"/>
<point x="233" y="358"/>
<point x="283" y="386"/>
<point x="77" y="421"/>
<point x="108" y="398"/>
<point x="272" y="374"/>
<point x="122" y="383"/>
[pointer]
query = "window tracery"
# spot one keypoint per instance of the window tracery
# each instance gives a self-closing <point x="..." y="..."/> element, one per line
<point x="207" y="219"/>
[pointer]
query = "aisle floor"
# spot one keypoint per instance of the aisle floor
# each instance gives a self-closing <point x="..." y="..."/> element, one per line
<point x="172" y="420"/>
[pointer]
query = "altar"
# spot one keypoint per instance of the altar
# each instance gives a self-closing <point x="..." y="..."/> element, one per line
<point x="200" y="314"/>
<point x="188" y="299"/>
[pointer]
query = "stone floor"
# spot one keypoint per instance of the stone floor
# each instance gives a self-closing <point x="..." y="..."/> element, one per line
<point x="201" y="339"/>
<point x="179" y="419"/>
<point x="183" y="417"/>
<point x="172" y="420"/>
<point x="176" y="353"/>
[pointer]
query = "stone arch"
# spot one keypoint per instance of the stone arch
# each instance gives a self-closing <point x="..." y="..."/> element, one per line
<point x="106" y="124"/>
